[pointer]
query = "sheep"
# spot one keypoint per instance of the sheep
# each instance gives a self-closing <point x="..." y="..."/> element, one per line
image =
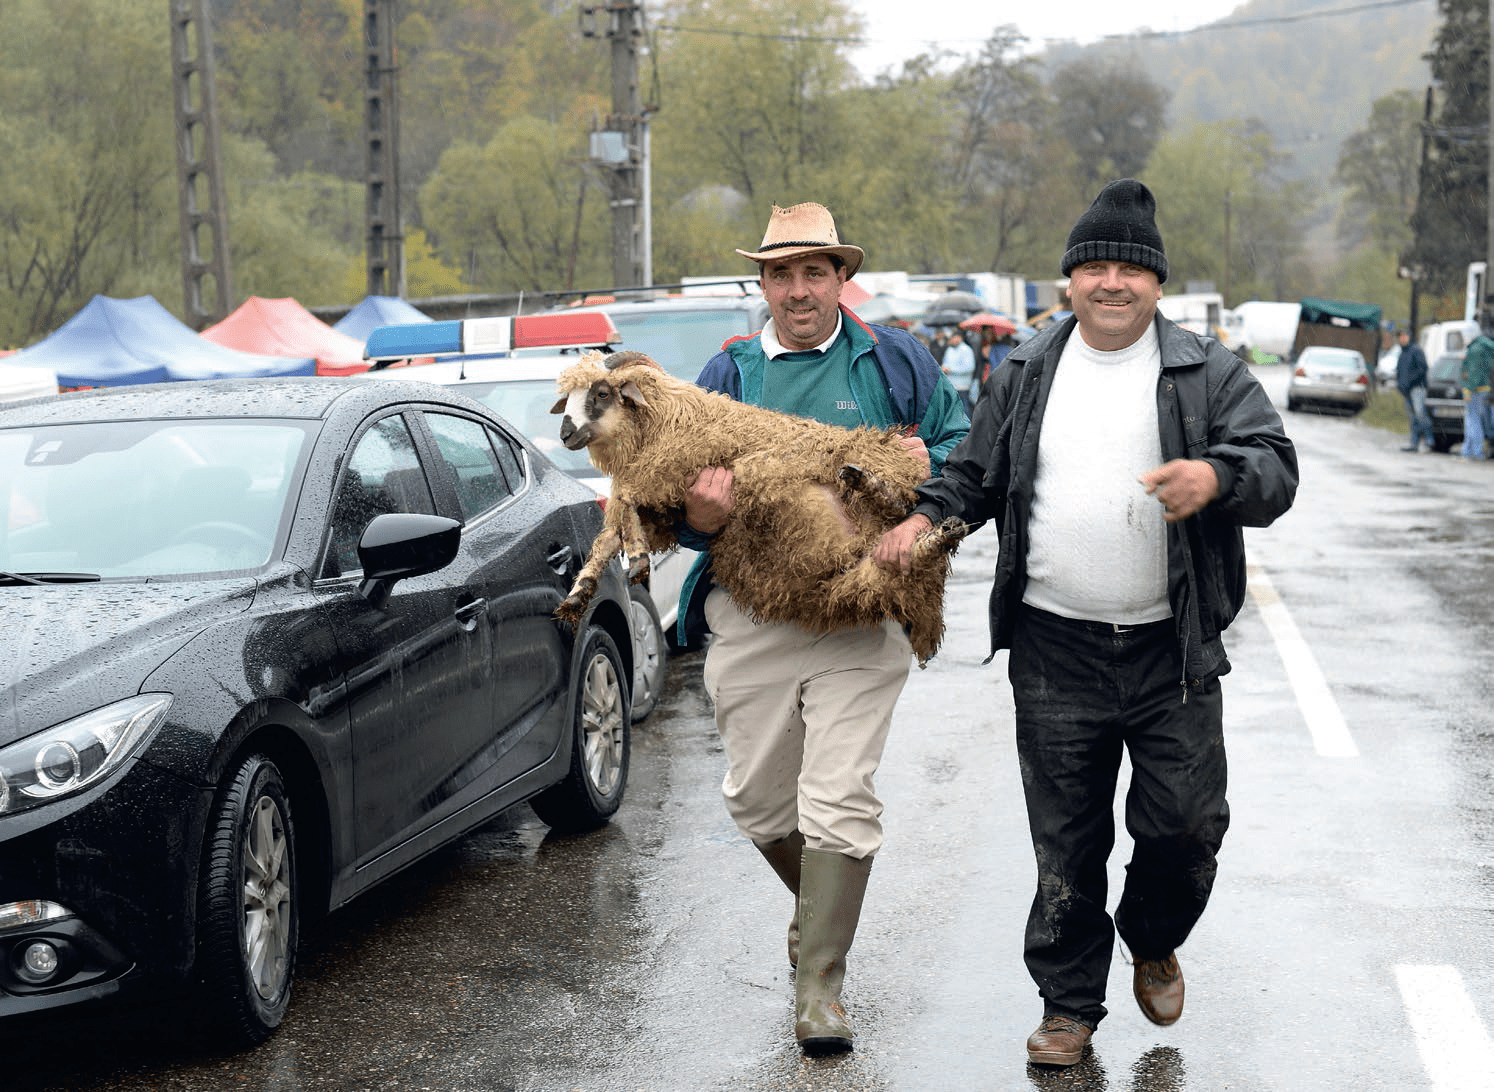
<point x="810" y="500"/>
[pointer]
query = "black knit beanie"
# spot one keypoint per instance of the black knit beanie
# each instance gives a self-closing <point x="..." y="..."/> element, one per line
<point x="1118" y="227"/>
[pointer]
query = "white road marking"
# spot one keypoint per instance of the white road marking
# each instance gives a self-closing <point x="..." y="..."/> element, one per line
<point x="1330" y="735"/>
<point x="1455" y="1047"/>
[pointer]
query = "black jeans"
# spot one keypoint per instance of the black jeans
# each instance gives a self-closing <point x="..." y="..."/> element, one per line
<point x="1083" y="691"/>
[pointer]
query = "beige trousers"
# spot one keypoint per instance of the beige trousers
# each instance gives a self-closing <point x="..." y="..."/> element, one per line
<point x="803" y="719"/>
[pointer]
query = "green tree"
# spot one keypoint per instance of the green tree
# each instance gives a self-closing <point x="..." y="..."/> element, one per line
<point x="1378" y="167"/>
<point x="520" y="212"/>
<point x="1227" y="212"/>
<point x="87" y="182"/>
<point x="1451" y="219"/>
<point x="1111" y="113"/>
<point x="1016" y="176"/>
<point x="748" y="98"/>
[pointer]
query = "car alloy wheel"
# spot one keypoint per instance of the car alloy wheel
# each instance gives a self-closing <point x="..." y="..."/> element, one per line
<point x="249" y="905"/>
<point x="593" y="786"/>
<point x="650" y="653"/>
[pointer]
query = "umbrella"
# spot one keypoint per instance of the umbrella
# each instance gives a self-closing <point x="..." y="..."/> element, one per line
<point x="999" y="324"/>
<point x="944" y="318"/>
<point x="968" y="302"/>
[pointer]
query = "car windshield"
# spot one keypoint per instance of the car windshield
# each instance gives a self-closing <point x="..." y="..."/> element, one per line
<point x="681" y="341"/>
<point x="147" y="498"/>
<point x="525" y="404"/>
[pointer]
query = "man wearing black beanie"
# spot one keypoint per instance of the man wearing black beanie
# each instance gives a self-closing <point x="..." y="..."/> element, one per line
<point x="1114" y="605"/>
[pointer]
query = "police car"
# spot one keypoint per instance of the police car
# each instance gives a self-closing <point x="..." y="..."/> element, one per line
<point x="510" y="364"/>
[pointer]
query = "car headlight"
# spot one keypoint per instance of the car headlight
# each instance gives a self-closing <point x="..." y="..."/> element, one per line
<point x="69" y="757"/>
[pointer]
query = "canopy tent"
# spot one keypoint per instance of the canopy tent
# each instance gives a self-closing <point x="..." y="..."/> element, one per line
<point x="17" y="383"/>
<point x="374" y="311"/>
<point x="112" y="342"/>
<point x="282" y="327"/>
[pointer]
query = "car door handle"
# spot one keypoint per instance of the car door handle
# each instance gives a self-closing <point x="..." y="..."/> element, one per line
<point x="469" y="612"/>
<point x="559" y="559"/>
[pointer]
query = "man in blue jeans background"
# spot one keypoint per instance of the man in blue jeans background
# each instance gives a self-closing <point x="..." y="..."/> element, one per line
<point x="1411" y="381"/>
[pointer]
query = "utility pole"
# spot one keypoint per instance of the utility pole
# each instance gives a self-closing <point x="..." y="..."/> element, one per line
<point x="199" y="167"/>
<point x="1486" y="312"/>
<point x="385" y="250"/>
<point x="620" y="145"/>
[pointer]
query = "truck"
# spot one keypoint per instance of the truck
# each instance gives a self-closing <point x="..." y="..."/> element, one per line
<point x="1267" y="327"/>
<point x="1342" y="323"/>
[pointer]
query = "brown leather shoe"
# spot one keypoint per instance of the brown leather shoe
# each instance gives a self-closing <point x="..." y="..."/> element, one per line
<point x="1158" y="985"/>
<point x="1058" y="1040"/>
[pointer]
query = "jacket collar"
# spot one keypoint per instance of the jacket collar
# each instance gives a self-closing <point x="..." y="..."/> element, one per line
<point x="1179" y="347"/>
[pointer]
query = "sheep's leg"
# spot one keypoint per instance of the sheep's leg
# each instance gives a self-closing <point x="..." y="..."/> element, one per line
<point x="633" y="542"/>
<point x="603" y="550"/>
<point x="884" y="499"/>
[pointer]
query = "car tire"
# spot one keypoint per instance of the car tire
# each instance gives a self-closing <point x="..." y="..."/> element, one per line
<point x="600" y="745"/>
<point x="1293" y="405"/>
<point x="650" y="652"/>
<point x="248" y="912"/>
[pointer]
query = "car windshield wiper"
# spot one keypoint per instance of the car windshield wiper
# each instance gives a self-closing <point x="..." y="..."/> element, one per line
<point x="48" y="578"/>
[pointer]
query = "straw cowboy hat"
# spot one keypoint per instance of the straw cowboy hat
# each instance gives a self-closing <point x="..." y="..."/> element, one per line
<point x="802" y="229"/>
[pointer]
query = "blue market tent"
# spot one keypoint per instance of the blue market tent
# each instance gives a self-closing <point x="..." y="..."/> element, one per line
<point x="375" y="311"/>
<point x="112" y="342"/>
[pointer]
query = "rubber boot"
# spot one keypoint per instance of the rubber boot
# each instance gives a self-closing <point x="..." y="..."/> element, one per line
<point x="831" y="888"/>
<point x="785" y="855"/>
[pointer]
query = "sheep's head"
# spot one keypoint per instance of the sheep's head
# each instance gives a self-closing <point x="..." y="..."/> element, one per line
<point x="594" y="394"/>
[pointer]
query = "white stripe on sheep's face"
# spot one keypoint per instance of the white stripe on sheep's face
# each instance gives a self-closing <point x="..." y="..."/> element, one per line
<point x="593" y="414"/>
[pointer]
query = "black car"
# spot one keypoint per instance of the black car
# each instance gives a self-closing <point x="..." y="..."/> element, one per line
<point x="1445" y="404"/>
<point x="262" y="644"/>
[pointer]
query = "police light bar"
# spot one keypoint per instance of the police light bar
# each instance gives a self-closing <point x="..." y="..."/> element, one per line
<point x="495" y="336"/>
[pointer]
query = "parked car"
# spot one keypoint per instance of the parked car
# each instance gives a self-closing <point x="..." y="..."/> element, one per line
<point x="517" y="381"/>
<point x="265" y="643"/>
<point x="683" y="332"/>
<point x="1445" y="405"/>
<point x="1326" y="375"/>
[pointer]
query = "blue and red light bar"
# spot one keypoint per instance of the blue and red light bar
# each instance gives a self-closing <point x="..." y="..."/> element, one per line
<point x="495" y="336"/>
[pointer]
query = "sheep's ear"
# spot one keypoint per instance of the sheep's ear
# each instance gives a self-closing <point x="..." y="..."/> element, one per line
<point x="559" y="407"/>
<point x="630" y="391"/>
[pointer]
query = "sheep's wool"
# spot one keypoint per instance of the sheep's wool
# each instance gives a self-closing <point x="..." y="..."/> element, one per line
<point x="1098" y="547"/>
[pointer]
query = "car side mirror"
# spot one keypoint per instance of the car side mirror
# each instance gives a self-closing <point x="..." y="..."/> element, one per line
<point x="398" y="545"/>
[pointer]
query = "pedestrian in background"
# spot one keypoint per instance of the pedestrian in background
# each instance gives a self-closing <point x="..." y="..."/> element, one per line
<point x="1478" y="362"/>
<point x="803" y="718"/>
<point x="1411" y="381"/>
<point x="959" y="365"/>
<point x="1113" y="605"/>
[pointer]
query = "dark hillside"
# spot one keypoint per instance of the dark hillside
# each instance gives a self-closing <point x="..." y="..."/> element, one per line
<point x="1307" y="69"/>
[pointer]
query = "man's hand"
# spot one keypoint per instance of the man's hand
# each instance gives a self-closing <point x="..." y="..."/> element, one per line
<point x="914" y="446"/>
<point x="708" y="500"/>
<point x="1183" y="486"/>
<point x="894" y="550"/>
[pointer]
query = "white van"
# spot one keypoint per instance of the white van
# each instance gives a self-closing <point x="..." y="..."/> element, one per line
<point x="1447" y="337"/>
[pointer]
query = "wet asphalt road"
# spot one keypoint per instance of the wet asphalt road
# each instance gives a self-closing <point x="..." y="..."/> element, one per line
<point x="649" y="955"/>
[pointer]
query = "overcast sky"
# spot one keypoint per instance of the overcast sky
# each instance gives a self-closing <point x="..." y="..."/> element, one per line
<point x="898" y="29"/>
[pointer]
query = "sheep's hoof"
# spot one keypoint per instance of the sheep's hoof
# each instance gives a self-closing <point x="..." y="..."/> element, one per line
<point x="638" y="569"/>
<point x="573" y="606"/>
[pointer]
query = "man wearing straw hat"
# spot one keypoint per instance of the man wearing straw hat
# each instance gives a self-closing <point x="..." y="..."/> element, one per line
<point x="803" y="718"/>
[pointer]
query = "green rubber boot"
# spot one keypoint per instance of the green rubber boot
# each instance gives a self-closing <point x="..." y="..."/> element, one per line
<point x="831" y="889"/>
<point x="785" y="855"/>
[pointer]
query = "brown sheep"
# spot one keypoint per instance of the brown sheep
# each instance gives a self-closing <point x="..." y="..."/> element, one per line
<point x="810" y="500"/>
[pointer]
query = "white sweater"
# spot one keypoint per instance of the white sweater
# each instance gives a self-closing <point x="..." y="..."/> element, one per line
<point x="1097" y="546"/>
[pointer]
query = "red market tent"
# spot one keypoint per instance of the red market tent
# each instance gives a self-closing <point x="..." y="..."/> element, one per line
<point x="282" y="327"/>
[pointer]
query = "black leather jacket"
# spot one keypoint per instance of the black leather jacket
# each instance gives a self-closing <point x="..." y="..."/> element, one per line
<point x="1209" y="406"/>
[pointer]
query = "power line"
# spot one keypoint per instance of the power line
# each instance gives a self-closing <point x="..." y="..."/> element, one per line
<point x="1224" y="24"/>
